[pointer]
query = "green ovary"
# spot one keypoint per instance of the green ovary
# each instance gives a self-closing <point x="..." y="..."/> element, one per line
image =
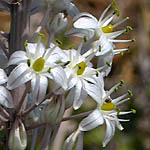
<point x="108" y="29"/>
<point x="38" y="64"/>
<point x="81" y="67"/>
<point x="108" y="106"/>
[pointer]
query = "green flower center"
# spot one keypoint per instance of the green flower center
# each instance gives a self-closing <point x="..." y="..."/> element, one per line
<point x="38" y="64"/>
<point x="108" y="106"/>
<point x="108" y="29"/>
<point x="81" y="67"/>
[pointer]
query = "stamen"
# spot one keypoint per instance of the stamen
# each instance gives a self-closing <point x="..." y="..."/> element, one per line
<point x="133" y="111"/>
<point x="130" y="93"/>
<point x="129" y="28"/>
<point x="122" y="101"/>
<point x="120" y="22"/>
<point x="26" y="43"/>
<point x="118" y="51"/>
<point x="116" y="100"/>
<point x="104" y="12"/>
<point x="121" y="41"/>
<point x="112" y="89"/>
<point x="38" y="64"/>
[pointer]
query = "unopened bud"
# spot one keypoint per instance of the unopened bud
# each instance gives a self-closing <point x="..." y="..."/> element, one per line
<point x="53" y="111"/>
<point x="17" y="136"/>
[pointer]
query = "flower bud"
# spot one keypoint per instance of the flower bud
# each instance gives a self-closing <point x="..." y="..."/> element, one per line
<point x="74" y="141"/>
<point x="57" y="24"/>
<point x="17" y="136"/>
<point x="53" y="112"/>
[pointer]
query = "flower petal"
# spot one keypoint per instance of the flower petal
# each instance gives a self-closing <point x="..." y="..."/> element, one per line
<point x="3" y="77"/>
<point x="20" y="75"/>
<point x="86" y="21"/>
<point x="92" y="121"/>
<point x="110" y="130"/>
<point x="32" y="49"/>
<point x="39" y="87"/>
<point x="6" y="98"/>
<point x="17" y="58"/>
<point x="60" y="77"/>
<point x="95" y="91"/>
<point x="78" y="89"/>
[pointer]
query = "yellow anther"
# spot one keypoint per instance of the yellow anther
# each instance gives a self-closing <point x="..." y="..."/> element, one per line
<point x="108" y="106"/>
<point x="38" y="64"/>
<point x="81" y="67"/>
<point x="108" y="29"/>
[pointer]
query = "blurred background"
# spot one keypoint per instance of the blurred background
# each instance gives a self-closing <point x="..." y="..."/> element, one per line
<point x="133" y="67"/>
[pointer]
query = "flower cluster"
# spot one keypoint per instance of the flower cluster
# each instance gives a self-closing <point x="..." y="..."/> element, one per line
<point x="54" y="79"/>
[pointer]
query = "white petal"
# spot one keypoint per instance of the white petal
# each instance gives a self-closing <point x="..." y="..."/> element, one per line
<point x="3" y="77"/>
<point x="77" y="102"/>
<point x="86" y="22"/>
<point x="39" y="87"/>
<point x="17" y="58"/>
<point x="6" y="98"/>
<point x="60" y="77"/>
<point x="81" y="33"/>
<point x="20" y="75"/>
<point x="95" y="91"/>
<point x="92" y="121"/>
<point x="110" y="130"/>
<point x="32" y="49"/>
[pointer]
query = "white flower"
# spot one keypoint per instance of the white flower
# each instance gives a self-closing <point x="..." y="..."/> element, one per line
<point x="102" y="26"/>
<point x="5" y="96"/>
<point x="103" y="38"/>
<point x="107" y="110"/>
<point x="38" y="65"/>
<point x="82" y="77"/>
<point x="17" y="136"/>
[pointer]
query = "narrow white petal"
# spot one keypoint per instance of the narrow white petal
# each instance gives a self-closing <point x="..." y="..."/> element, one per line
<point x="32" y="50"/>
<point x="6" y="98"/>
<point x="60" y="77"/>
<point x="3" y="77"/>
<point x="94" y="91"/>
<point x="92" y="121"/>
<point x="17" y="58"/>
<point x="39" y="87"/>
<point x="110" y="130"/>
<point x="20" y="75"/>
<point x="80" y="33"/>
<point x="86" y="22"/>
<point x="77" y="102"/>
